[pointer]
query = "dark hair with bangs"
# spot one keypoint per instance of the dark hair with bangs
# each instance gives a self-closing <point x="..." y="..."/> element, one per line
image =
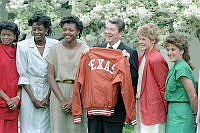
<point x="73" y="20"/>
<point x="180" y="41"/>
<point x="8" y="25"/>
<point x="39" y="18"/>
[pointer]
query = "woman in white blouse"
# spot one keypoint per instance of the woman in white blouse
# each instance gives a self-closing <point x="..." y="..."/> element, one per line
<point x="32" y="68"/>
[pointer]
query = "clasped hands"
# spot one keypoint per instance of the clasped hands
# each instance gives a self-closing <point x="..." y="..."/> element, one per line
<point x="12" y="103"/>
<point x="66" y="106"/>
<point x="41" y="104"/>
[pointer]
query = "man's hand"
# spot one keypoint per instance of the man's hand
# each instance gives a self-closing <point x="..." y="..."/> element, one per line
<point x="125" y="54"/>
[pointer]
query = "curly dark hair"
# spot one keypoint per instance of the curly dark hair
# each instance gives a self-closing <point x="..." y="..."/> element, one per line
<point x="40" y="18"/>
<point x="8" y="25"/>
<point x="72" y="20"/>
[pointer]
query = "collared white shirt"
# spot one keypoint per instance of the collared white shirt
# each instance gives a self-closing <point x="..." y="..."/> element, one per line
<point x="32" y="68"/>
<point x="115" y="46"/>
<point x="30" y="62"/>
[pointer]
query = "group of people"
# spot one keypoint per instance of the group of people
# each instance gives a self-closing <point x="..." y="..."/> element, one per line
<point x="38" y="75"/>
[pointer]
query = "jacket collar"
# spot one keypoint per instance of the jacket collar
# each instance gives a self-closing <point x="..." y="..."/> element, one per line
<point x="119" y="47"/>
<point x="115" y="46"/>
<point x="145" y="67"/>
<point x="31" y="44"/>
<point x="148" y="56"/>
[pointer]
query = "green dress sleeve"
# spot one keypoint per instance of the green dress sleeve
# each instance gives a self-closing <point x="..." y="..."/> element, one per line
<point x="183" y="71"/>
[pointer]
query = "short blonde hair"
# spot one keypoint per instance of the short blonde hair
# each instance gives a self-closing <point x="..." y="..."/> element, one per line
<point x="150" y="31"/>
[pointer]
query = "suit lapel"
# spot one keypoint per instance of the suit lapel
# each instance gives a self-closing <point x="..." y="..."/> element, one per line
<point x="121" y="46"/>
<point x="104" y="45"/>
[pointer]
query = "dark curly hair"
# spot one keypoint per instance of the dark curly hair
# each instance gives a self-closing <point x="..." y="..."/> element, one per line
<point x="180" y="41"/>
<point x="8" y="25"/>
<point x="72" y="20"/>
<point x="40" y="18"/>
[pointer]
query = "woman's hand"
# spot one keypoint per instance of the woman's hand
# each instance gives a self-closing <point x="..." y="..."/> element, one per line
<point x="125" y="54"/>
<point x="66" y="106"/>
<point x="69" y="107"/>
<point x="85" y="51"/>
<point x="12" y="103"/>
<point x="45" y="102"/>
<point x="37" y="103"/>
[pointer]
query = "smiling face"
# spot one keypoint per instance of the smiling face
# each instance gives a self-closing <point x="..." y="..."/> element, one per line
<point x="174" y="53"/>
<point x="145" y="44"/>
<point x="70" y="32"/>
<point x="39" y="31"/>
<point x="112" y="34"/>
<point x="7" y="37"/>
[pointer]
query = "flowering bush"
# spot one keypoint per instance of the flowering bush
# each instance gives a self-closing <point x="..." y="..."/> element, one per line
<point x="170" y="15"/>
<point x="23" y="10"/>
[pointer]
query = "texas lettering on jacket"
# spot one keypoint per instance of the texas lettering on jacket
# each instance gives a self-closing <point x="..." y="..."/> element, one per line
<point x="102" y="64"/>
<point x="96" y="86"/>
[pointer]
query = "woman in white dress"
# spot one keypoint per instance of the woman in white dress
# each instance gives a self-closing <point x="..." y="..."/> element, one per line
<point x="32" y="68"/>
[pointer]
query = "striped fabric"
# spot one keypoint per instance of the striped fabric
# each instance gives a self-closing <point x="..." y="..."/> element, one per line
<point x="101" y="112"/>
<point x="77" y="120"/>
<point x="134" y="122"/>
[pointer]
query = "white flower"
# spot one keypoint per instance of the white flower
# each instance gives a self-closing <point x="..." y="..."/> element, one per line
<point x="135" y="13"/>
<point x="131" y="1"/>
<point x="127" y="21"/>
<point x="143" y="12"/>
<point x="186" y="2"/>
<point x="173" y="9"/>
<point x="131" y="11"/>
<point x="85" y="19"/>
<point x="167" y="2"/>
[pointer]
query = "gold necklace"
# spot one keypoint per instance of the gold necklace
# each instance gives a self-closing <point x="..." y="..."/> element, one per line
<point x="39" y="46"/>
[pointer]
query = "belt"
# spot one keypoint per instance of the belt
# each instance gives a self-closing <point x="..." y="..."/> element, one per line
<point x="67" y="81"/>
<point x="178" y="102"/>
<point x="42" y="80"/>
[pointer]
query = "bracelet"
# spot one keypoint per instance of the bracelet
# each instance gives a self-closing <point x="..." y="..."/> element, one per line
<point x="18" y="97"/>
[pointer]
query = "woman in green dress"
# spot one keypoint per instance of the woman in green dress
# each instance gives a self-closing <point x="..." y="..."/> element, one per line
<point x="180" y="86"/>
